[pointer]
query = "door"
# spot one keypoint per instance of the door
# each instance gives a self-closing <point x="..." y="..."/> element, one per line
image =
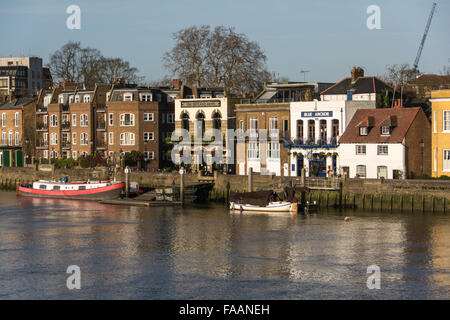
<point x="6" y="158"/>
<point x="382" y="172"/>
<point x="19" y="158"/>
<point x="299" y="166"/>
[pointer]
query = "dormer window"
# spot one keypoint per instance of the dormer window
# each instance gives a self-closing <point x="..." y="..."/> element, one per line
<point x="128" y="97"/>
<point x="363" y="131"/>
<point x="87" y="99"/>
<point x="61" y="99"/>
<point x="77" y="98"/>
<point x="70" y="99"/>
<point x="385" y="131"/>
<point x="189" y="97"/>
<point x="146" y="97"/>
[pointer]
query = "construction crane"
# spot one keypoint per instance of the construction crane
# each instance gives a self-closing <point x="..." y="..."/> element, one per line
<point x="419" y="53"/>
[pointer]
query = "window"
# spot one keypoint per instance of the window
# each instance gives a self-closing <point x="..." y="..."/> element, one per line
<point x="253" y="150"/>
<point x="42" y="186"/>
<point x="363" y="131"/>
<point x="16" y="119"/>
<point x="435" y="160"/>
<point x="111" y="138"/>
<point x="84" y="139"/>
<point x="446" y="162"/>
<point x="171" y="118"/>
<point x="382" y="150"/>
<point x="84" y="154"/>
<point x="149" y="155"/>
<point x="53" y="120"/>
<point x="146" y="97"/>
<point x="54" y="139"/>
<point x="46" y="120"/>
<point x="74" y="138"/>
<point x="128" y="97"/>
<point x="434" y="122"/>
<point x="84" y="120"/>
<point x="148" y="136"/>
<point x="273" y="126"/>
<point x="285" y="126"/>
<point x="446" y="124"/>
<point x="274" y="150"/>
<point x="74" y="120"/>
<point x="10" y="138"/>
<point x="77" y="98"/>
<point x="111" y="119"/>
<point x="127" y="119"/>
<point x="385" y="131"/>
<point x="148" y="116"/>
<point x="87" y="99"/>
<point x="16" y="138"/>
<point x="253" y="124"/>
<point x="4" y="137"/>
<point x="361" y="149"/>
<point x="70" y="99"/>
<point x="361" y="171"/>
<point x="61" y="99"/>
<point x="241" y="125"/>
<point x="3" y="120"/>
<point x="127" y="139"/>
<point x="74" y="155"/>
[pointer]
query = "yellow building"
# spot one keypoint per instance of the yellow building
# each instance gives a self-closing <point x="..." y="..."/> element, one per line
<point x="440" y="103"/>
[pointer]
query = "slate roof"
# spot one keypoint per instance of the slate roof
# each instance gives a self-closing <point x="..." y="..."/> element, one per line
<point x="16" y="103"/>
<point x="399" y="118"/>
<point x="361" y="85"/>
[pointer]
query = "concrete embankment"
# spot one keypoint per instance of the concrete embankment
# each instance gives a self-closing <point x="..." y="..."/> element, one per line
<point x="368" y="194"/>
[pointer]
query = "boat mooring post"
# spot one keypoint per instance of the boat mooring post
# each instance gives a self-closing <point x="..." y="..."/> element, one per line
<point x="182" y="186"/>
<point x="127" y="182"/>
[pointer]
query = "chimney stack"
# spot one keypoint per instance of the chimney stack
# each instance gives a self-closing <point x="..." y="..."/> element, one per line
<point x="357" y="72"/>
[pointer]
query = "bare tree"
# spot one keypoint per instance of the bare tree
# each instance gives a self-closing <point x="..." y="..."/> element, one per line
<point x="445" y="71"/>
<point x="400" y="75"/>
<point x="189" y="55"/>
<point x="216" y="58"/>
<point x="88" y="66"/>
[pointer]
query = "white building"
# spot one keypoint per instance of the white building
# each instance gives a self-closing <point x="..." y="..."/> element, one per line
<point x="390" y="143"/>
<point x="316" y="127"/>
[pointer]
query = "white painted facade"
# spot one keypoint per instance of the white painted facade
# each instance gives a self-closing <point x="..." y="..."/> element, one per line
<point x="337" y="111"/>
<point x="376" y="165"/>
<point x="355" y="97"/>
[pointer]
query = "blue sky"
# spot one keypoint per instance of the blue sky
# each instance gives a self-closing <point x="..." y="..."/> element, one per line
<point x="326" y="37"/>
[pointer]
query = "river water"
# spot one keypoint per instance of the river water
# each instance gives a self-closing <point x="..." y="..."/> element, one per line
<point x="206" y="252"/>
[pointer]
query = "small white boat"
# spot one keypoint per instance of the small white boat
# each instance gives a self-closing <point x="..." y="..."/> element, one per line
<point x="272" y="207"/>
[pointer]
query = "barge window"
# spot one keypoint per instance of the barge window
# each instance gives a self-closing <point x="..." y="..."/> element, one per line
<point x="56" y="188"/>
<point x="82" y="188"/>
<point x="42" y="187"/>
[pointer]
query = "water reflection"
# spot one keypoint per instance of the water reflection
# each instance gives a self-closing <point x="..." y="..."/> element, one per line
<point x="208" y="252"/>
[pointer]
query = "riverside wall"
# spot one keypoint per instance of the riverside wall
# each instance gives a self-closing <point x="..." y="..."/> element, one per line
<point x="368" y="194"/>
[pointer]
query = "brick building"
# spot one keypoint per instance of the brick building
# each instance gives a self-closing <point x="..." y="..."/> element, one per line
<point x="110" y="121"/>
<point x="17" y="144"/>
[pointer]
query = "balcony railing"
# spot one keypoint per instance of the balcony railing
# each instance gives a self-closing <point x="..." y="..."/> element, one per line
<point x="65" y="125"/>
<point x="279" y="100"/>
<point x="41" y="126"/>
<point x="41" y="144"/>
<point x="66" y="144"/>
<point x="101" y="125"/>
<point x="312" y="142"/>
<point x="100" y="144"/>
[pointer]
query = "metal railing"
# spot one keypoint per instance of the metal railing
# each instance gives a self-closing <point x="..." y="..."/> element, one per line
<point x="41" y="126"/>
<point x="41" y="144"/>
<point x="312" y="142"/>
<point x="65" y="125"/>
<point x="323" y="183"/>
<point x="277" y="100"/>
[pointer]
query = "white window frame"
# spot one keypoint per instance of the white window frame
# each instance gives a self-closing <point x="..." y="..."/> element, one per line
<point x="131" y="139"/>
<point x="53" y="120"/>
<point x="3" y="119"/>
<point x="148" y="116"/>
<point x="149" y="136"/>
<point x="84" y="142"/>
<point x="273" y="150"/>
<point x="123" y="120"/>
<point x="111" y="138"/>
<point x="446" y="160"/>
<point x="77" y="98"/>
<point x="380" y="150"/>
<point x="3" y="137"/>
<point x="128" y="96"/>
<point x="16" y="119"/>
<point x="74" y="138"/>
<point x="45" y="154"/>
<point x="434" y="122"/>
<point x="84" y="120"/>
<point x="385" y="131"/>
<point x="10" y="138"/>
<point x="253" y="150"/>
<point x="360" y="149"/>
<point x="145" y="97"/>
<point x="363" y="131"/>
<point x="86" y="98"/>
<point x="111" y="119"/>
<point x="149" y="155"/>
<point x="358" y="172"/>
<point x="54" y="139"/>
<point x="16" y="138"/>
<point x="74" y="155"/>
<point x="74" y="120"/>
<point x="446" y="121"/>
